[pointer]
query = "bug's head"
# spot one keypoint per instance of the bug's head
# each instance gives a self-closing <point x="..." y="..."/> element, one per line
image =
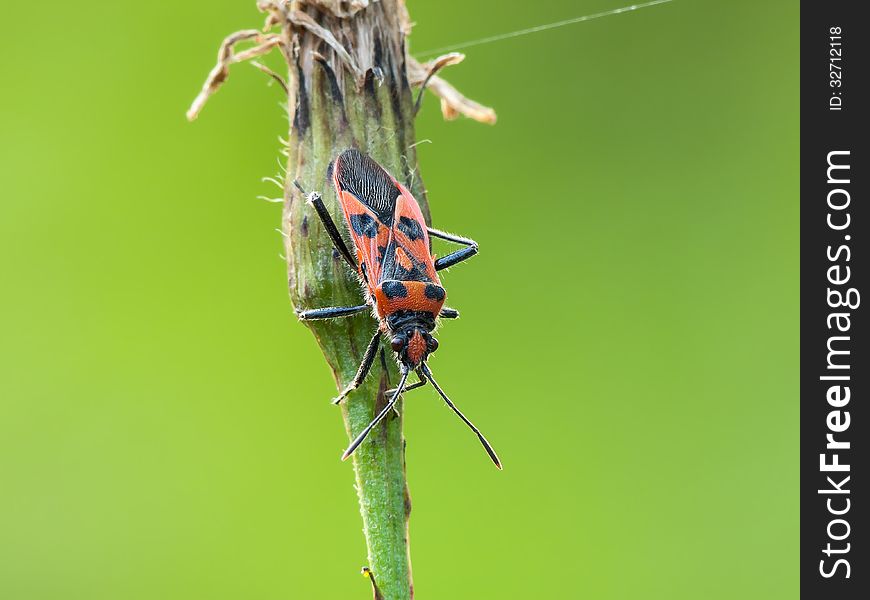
<point x="413" y="345"/>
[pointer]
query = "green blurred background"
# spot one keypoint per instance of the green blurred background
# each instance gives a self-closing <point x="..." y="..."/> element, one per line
<point x="629" y="339"/>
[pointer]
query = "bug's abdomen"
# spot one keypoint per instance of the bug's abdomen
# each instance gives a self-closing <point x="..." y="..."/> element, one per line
<point x="394" y="295"/>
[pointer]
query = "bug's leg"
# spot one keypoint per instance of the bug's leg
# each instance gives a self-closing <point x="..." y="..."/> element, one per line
<point x="316" y="200"/>
<point x="384" y="364"/>
<point x="454" y="257"/>
<point x="408" y="388"/>
<point x="449" y="313"/>
<point x="413" y="386"/>
<point x="387" y="374"/>
<point x="331" y="312"/>
<point x="362" y="436"/>
<point x="364" y="368"/>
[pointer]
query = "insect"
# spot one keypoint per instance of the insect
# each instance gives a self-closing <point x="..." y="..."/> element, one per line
<point x="398" y="272"/>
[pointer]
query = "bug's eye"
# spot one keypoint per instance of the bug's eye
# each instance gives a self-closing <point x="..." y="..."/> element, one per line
<point x="397" y="343"/>
<point x="433" y="344"/>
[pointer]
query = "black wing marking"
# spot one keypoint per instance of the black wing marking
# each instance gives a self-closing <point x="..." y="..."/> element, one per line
<point x="367" y="180"/>
<point x="391" y="269"/>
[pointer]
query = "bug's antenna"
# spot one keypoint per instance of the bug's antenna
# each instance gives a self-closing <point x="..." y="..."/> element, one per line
<point x="359" y="439"/>
<point x="482" y="439"/>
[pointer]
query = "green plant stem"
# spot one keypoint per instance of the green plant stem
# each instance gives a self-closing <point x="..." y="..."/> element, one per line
<point x="348" y="86"/>
<point x="333" y="109"/>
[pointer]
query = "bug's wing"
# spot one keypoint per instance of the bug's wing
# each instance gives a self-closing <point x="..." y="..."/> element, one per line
<point x="368" y="197"/>
<point x="370" y="236"/>
<point x="408" y="258"/>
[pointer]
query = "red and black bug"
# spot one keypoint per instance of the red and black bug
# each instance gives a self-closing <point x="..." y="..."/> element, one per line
<point x="398" y="271"/>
